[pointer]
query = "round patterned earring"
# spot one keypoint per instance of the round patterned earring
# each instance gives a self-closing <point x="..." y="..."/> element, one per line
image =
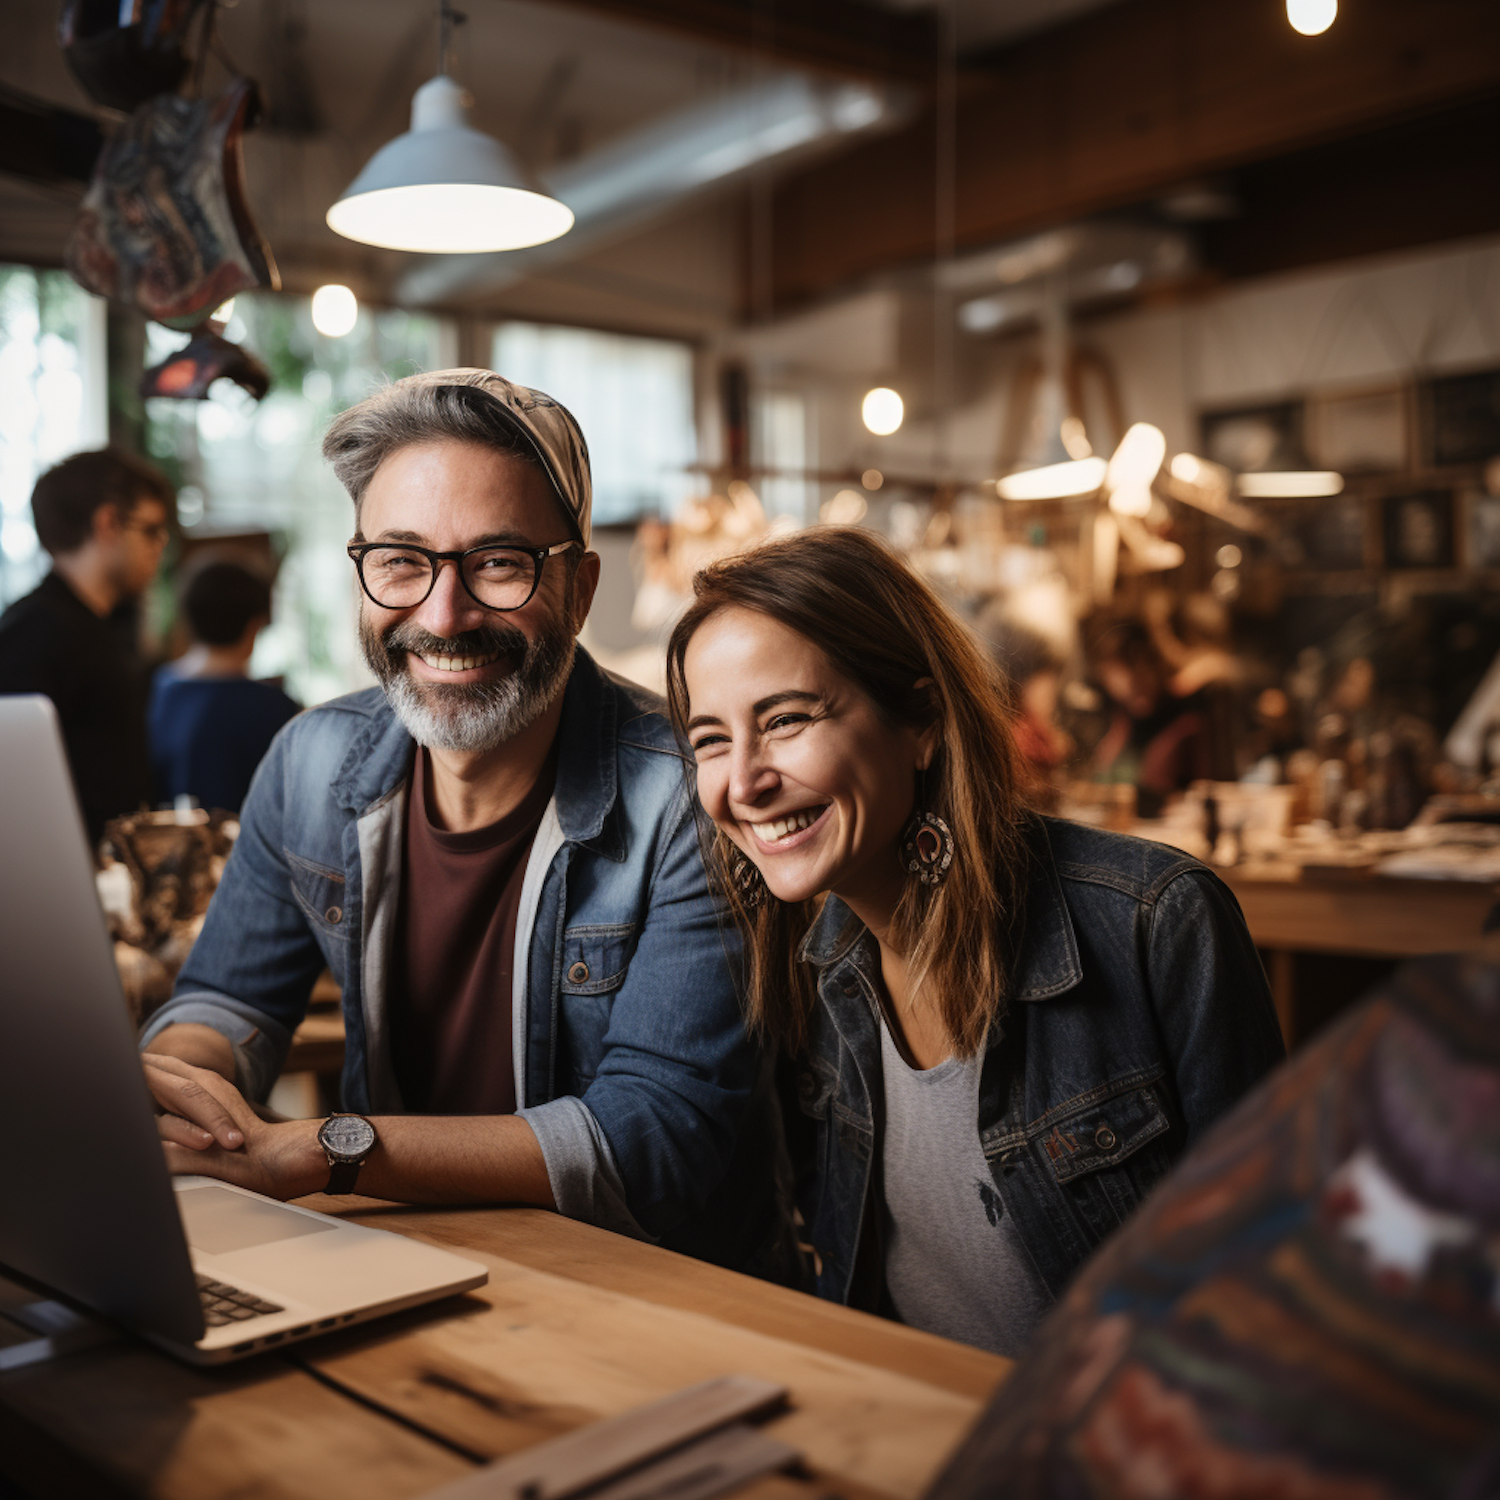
<point x="749" y="884"/>
<point x="927" y="848"/>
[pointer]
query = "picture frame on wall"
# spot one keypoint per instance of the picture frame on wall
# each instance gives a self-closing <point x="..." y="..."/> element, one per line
<point x="1463" y="418"/>
<point x="1417" y="529"/>
<point x="1323" y="535"/>
<point x="1252" y="439"/>
<point x="1360" y="432"/>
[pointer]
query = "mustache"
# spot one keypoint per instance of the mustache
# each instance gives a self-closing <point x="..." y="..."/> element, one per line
<point x="484" y="640"/>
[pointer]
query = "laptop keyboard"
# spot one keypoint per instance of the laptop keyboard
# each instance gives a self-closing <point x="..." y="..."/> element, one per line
<point x="223" y="1303"/>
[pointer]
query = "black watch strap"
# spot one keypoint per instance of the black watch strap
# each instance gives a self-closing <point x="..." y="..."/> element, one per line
<point x="343" y="1176"/>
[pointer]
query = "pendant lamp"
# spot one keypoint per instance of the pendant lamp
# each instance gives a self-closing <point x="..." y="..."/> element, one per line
<point x="444" y="187"/>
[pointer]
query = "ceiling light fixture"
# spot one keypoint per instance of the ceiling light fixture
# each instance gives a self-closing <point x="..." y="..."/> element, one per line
<point x="1311" y="17"/>
<point x="1135" y="464"/>
<point x="1078" y="476"/>
<point x="1290" y="484"/>
<point x="444" y="187"/>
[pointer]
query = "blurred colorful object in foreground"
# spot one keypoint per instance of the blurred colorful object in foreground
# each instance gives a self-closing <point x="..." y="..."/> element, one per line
<point x="1307" y="1307"/>
<point x="187" y="374"/>
<point x="165" y="225"/>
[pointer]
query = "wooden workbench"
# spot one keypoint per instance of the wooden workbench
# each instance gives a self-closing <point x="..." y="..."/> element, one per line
<point x="1353" y="914"/>
<point x="575" y="1324"/>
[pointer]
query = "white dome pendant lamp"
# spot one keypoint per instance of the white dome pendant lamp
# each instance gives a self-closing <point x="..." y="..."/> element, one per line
<point x="444" y="187"/>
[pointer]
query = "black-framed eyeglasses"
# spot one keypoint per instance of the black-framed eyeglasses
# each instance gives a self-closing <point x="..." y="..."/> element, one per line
<point x="400" y="575"/>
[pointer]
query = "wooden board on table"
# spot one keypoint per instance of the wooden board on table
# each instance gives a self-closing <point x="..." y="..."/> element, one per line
<point x="552" y="1354"/>
<point x="640" y="1440"/>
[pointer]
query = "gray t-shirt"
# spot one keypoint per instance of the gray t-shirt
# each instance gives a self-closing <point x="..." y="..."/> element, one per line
<point x="954" y="1263"/>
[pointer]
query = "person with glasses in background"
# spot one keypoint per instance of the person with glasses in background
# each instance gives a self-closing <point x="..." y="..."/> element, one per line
<point x="497" y="855"/>
<point x="105" y="518"/>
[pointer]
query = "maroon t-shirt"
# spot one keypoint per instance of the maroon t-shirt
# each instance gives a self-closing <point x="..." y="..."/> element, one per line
<point x="455" y="942"/>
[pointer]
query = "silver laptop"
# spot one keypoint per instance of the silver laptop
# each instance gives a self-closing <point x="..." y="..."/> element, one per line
<point x="87" y="1207"/>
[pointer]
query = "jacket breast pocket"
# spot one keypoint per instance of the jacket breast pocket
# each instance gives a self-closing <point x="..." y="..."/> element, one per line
<point x="595" y="959"/>
<point x="1109" y="1148"/>
<point x="319" y="891"/>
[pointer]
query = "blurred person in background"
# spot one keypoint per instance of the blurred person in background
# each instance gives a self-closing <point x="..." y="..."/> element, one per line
<point x="1033" y="675"/>
<point x="210" y="725"/>
<point x="1194" y="638"/>
<point x="1156" y="741"/>
<point x="105" y="518"/>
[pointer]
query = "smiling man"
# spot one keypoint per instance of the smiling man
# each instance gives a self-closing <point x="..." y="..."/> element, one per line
<point x="495" y="852"/>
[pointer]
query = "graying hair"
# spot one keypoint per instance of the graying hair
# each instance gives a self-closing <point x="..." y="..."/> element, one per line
<point x="359" y="440"/>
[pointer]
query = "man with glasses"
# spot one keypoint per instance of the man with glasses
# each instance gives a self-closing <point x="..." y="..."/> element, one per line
<point x="496" y="854"/>
<point x="104" y="517"/>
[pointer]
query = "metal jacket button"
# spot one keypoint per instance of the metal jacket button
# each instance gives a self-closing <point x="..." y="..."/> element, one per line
<point x="1104" y="1138"/>
<point x="334" y="914"/>
<point x="578" y="972"/>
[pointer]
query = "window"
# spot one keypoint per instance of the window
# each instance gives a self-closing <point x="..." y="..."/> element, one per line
<point x="779" y="445"/>
<point x="633" y="398"/>
<point x="245" y="466"/>
<point x="52" y="401"/>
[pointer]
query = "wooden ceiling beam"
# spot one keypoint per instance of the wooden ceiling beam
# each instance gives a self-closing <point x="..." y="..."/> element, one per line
<point x="850" y="37"/>
<point x="1117" y="107"/>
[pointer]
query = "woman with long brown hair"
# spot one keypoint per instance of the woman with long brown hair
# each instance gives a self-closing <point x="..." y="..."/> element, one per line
<point x="999" y="1030"/>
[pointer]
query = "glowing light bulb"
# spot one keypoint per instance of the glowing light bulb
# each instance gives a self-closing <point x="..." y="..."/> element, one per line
<point x="882" y="411"/>
<point x="1311" y="17"/>
<point x="847" y="508"/>
<point x="334" y="311"/>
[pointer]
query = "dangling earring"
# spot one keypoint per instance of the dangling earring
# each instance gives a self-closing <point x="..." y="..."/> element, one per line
<point x="927" y="845"/>
<point x="749" y="884"/>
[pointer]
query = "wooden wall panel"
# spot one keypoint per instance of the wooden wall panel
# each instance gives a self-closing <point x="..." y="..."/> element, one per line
<point x="1123" y="104"/>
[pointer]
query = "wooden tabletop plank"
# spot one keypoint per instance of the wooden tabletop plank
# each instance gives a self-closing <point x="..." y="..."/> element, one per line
<point x="551" y="1352"/>
<point x="576" y="1324"/>
<point x="127" y="1420"/>
<point x="580" y="1252"/>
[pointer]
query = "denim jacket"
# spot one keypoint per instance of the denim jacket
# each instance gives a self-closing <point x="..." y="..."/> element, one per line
<point x="631" y="1063"/>
<point x="1138" y="1012"/>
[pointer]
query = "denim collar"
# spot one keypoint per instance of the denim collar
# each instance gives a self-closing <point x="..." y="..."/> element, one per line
<point x="380" y="757"/>
<point x="1049" y="963"/>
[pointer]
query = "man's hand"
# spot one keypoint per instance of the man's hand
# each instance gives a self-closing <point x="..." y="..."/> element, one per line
<point x="207" y="1126"/>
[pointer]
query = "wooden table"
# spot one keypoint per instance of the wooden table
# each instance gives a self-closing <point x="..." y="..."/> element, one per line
<point x="1350" y="912"/>
<point x="575" y="1324"/>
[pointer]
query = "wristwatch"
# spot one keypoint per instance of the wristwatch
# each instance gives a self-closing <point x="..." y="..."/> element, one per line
<point x="346" y="1141"/>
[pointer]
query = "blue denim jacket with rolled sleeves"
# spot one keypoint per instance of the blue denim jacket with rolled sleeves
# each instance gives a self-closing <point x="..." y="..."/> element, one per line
<point x="631" y="1061"/>
<point x="1139" y="1011"/>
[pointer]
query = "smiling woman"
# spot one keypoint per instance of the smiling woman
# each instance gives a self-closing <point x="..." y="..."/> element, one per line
<point x="998" y="1030"/>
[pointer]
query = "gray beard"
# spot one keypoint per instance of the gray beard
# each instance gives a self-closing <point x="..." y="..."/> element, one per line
<point x="470" y="717"/>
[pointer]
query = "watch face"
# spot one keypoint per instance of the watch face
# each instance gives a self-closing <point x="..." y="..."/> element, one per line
<point x="347" y="1136"/>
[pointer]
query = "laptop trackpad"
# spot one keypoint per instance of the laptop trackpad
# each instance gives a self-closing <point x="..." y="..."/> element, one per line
<point x="217" y="1221"/>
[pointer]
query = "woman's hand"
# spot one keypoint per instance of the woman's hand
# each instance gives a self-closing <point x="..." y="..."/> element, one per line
<point x="207" y="1126"/>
